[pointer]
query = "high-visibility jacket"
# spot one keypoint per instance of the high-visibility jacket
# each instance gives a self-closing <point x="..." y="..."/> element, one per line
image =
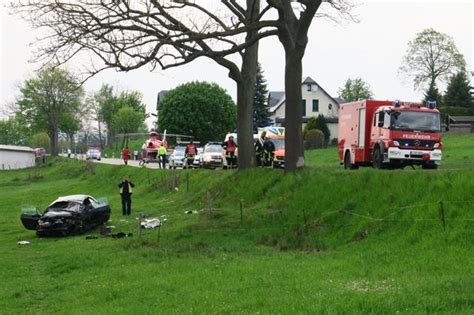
<point x="162" y="151"/>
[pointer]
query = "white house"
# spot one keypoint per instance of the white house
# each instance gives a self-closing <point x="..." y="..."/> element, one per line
<point x="14" y="157"/>
<point x="316" y="101"/>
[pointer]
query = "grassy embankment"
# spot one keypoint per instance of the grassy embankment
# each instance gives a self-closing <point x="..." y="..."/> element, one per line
<point x="322" y="239"/>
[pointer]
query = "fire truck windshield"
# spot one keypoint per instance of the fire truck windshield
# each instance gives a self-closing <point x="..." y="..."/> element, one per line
<point x="415" y="121"/>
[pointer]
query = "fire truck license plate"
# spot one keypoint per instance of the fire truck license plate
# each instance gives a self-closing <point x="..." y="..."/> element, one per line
<point x="416" y="152"/>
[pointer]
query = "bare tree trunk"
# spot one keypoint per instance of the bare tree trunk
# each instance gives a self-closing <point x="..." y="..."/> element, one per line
<point x="293" y="35"/>
<point x="100" y="136"/>
<point x="245" y="105"/>
<point x="294" y="151"/>
<point x="71" y="140"/>
<point x="53" y="135"/>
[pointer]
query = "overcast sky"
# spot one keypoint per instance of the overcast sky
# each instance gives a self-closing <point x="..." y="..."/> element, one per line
<point x="371" y="49"/>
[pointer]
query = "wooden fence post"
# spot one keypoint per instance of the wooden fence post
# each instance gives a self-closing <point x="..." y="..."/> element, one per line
<point x="209" y="202"/>
<point x="140" y="216"/>
<point x="442" y="215"/>
<point x="241" y="214"/>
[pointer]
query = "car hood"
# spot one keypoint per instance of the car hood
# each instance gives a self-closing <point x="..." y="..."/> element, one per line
<point x="57" y="214"/>
<point x="280" y="152"/>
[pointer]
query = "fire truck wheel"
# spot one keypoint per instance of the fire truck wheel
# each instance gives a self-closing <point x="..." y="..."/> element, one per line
<point x="430" y="166"/>
<point x="347" y="162"/>
<point x="377" y="158"/>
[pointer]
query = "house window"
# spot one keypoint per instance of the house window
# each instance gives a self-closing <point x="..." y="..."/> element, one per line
<point x="309" y="87"/>
<point x="315" y="105"/>
<point x="303" y="103"/>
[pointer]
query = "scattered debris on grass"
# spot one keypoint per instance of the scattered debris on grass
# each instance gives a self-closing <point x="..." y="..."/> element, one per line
<point x="366" y="286"/>
<point x="21" y="243"/>
<point x="150" y="223"/>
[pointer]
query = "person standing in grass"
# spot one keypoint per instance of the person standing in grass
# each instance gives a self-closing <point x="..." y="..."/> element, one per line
<point x="126" y="193"/>
<point x="125" y="155"/>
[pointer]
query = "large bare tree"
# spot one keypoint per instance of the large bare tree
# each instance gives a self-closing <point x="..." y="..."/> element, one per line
<point x="127" y="35"/>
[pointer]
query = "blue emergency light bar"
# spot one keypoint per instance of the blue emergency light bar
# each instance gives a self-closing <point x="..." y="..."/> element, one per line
<point x="431" y="104"/>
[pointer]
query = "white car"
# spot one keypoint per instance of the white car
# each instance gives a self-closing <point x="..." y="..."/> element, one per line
<point x="93" y="154"/>
<point x="213" y="156"/>
<point x="178" y="158"/>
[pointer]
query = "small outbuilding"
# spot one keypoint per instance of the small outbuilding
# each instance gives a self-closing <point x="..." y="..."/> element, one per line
<point x="15" y="157"/>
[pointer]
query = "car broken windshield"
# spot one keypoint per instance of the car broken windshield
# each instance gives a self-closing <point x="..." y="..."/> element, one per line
<point x="64" y="206"/>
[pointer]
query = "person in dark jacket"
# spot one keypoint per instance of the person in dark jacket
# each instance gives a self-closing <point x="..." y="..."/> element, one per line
<point x="269" y="152"/>
<point x="259" y="152"/>
<point x="126" y="193"/>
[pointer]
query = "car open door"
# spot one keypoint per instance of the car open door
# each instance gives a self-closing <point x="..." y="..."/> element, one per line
<point x="30" y="216"/>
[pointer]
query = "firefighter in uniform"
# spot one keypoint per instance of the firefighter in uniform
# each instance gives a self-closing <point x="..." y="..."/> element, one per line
<point x="190" y="152"/>
<point x="230" y="146"/>
<point x="268" y="152"/>
<point x="259" y="148"/>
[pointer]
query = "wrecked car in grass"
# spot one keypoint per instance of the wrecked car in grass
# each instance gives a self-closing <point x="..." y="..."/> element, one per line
<point x="67" y="215"/>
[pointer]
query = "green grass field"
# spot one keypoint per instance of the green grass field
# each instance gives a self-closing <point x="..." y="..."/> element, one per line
<point x="321" y="240"/>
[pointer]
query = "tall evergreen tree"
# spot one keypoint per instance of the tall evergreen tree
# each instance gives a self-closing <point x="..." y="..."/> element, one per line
<point x="458" y="92"/>
<point x="432" y="94"/>
<point x="261" y="114"/>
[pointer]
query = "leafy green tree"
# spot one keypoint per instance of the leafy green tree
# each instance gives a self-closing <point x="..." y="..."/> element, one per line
<point x="70" y="124"/>
<point x="261" y="115"/>
<point x="200" y="109"/>
<point x="102" y="107"/>
<point x="41" y="140"/>
<point x="13" y="132"/>
<point x="111" y="106"/>
<point x="355" y="89"/>
<point x="432" y="94"/>
<point x="46" y="99"/>
<point x="127" y="120"/>
<point x="430" y="57"/>
<point x="458" y="92"/>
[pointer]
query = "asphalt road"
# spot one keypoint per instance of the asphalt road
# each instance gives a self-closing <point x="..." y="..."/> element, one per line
<point x="133" y="163"/>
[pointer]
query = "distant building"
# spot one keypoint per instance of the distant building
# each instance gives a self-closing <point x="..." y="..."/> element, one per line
<point x="15" y="157"/>
<point x="316" y="101"/>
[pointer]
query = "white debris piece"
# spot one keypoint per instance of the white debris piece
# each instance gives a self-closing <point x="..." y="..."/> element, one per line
<point x="150" y="223"/>
<point x="23" y="243"/>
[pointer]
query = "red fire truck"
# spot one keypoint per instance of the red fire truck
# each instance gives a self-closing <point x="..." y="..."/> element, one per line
<point x="388" y="134"/>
